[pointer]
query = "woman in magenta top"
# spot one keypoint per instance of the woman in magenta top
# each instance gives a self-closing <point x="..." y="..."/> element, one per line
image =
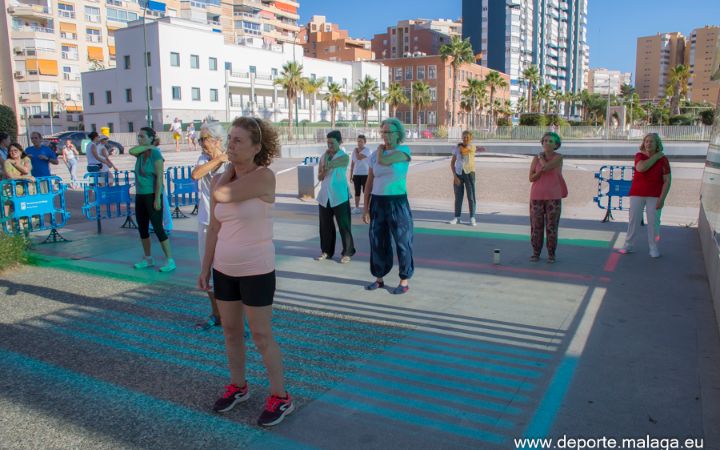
<point x="240" y="256"/>
<point x="546" y="194"/>
<point x="650" y="187"/>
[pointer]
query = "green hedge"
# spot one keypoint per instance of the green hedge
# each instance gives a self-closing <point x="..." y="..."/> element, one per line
<point x="8" y="122"/>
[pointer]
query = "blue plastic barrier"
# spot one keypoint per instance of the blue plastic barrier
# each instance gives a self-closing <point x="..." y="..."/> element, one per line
<point x="614" y="185"/>
<point x="181" y="189"/>
<point x="107" y="196"/>
<point x="29" y="206"/>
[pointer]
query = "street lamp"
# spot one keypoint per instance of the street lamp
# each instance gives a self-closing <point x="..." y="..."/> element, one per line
<point x="155" y="6"/>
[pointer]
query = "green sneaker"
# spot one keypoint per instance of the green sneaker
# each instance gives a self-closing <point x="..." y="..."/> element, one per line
<point x="169" y="266"/>
<point x="145" y="263"/>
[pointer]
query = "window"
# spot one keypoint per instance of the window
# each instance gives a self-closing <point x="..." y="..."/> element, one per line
<point x="92" y="14"/>
<point x="212" y="63"/>
<point x="176" y="95"/>
<point x="398" y="74"/>
<point x="409" y="73"/>
<point x="213" y="95"/>
<point x="93" y="35"/>
<point x="111" y="126"/>
<point x="175" y="59"/>
<point x="432" y="72"/>
<point x="91" y="98"/>
<point x="228" y="66"/>
<point x="330" y="80"/>
<point x="93" y="127"/>
<point x="147" y="59"/>
<point x="196" y="94"/>
<point x="344" y="81"/>
<point x="119" y="15"/>
<point x="420" y="72"/>
<point x="253" y="69"/>
<point x="126" y="62"/>
<point x="131" y="127"/>
<point x="108" y="97"/>
<point x="128" y="95"/>
<point x="433" y="94"/>
<point x="194" y="62"/>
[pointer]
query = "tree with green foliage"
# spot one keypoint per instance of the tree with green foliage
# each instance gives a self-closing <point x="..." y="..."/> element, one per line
<point x="494" y="81"/>
<point x="474" y="95"/>
<point x="311" y="88"/>
<point x="420" y="97"/>
<point x="292" y="81"/>
<point x="396" y="97"/>
<point x="333" y="97"/>
<point x="367" y="95"/>
<point x="8" y="122"/>
<point x="532" y="77"/>
<point x="459" y="52"/>
<point x="677" y="86"/>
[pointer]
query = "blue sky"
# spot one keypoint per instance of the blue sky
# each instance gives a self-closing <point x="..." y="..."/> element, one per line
<point x="613" y="25"/>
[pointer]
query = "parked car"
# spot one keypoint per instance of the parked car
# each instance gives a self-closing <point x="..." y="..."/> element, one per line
<point x="57" y="140"/>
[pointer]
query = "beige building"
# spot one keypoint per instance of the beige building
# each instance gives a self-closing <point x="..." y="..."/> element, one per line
<point x="655" y="56"/>
<point x="600" y="80"/>
<point x="46" y="44"/>
<point x="324" y="40"/>
<point x="701" y="51"/>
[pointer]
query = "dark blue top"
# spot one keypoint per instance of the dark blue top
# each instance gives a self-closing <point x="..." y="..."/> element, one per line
<point x="40" y="167"/>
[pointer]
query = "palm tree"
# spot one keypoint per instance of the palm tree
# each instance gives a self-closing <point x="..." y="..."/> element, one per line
<point x="333" y="97"/>
<point x="543" y="95"/>
<point x="493" y="80"/>
<point x="366" y="95"/>
<point x="677" y="86"/>
<point x="311" y="88"/>
<point x="532" y="76"/>
<point x="420" y="97"/>
<point x="521" y="104"/>
<point x="474" y="95"/>
<point x="291" y="80"/>
<point x="461" y="52"/>
<point x="396" y="97"/>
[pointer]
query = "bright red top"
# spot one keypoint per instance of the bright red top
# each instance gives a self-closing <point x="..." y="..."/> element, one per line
<point x="650" y="182"/>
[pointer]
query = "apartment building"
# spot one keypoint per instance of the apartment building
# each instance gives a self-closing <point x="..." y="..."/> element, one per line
<point x="195" y="74"/>
<point x="324" y="40"/>
<point x="601" y="81"/>
<point x="512" y="35"/>
<point x="46" y="44"/>
<point x="655" y="56"/>
<point x="701" y="53"/>
<point x="438" y="74"/>
<point x="415" y="37"/>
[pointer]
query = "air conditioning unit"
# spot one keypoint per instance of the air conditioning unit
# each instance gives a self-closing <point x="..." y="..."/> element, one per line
<point x="11" y="10"/>
<point x="19" y="50"/>
<point x="19" y="74"/>
<point x="22" y="98"/>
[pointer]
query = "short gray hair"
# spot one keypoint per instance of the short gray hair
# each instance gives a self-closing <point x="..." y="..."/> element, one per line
<point x="398" y="126"/>
<point x="217" y="131"/>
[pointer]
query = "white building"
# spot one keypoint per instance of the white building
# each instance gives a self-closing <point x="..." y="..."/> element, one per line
<point x="193" y="74"/>
<point x="601" y="79"/>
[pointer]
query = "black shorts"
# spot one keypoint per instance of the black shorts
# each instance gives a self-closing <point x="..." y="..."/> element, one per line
<point x="359" y="181"/>
<point x="253" y="290"/>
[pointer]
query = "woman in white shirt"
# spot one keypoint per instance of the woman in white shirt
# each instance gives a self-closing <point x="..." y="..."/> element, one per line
<point x="334" y="200"/>
<point x="359" y="170"/>
<point x="69" y="156"/>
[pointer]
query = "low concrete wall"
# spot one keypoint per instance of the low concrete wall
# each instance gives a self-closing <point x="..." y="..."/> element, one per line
<point x="584" y="149"/>
<point x="711" y="254"/>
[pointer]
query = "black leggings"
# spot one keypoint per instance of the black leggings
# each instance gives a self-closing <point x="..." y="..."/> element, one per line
<point x="146" y="213"/>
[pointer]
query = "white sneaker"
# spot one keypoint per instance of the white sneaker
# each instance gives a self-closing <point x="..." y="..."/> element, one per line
<point x="355" y="211"/>
<point x="454" y="221"/>
<point x="654" y="253"/>
<point x="473" y="222"/>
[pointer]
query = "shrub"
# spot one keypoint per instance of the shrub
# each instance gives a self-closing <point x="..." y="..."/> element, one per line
<point x="680" y="120"/>
<point x="13" y="250"/>
<point x="503" y="122"/>
<point x="533" y="120"/>
<point x="707" y="117"/>
<point x="441" y="132"/>
<point x="8" y="121"/>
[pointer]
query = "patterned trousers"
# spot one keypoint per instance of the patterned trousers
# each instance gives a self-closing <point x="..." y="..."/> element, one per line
<point x="544" y="220"/>
<point x="391" y="221"/>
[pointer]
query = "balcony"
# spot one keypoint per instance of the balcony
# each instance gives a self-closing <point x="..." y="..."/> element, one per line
<point x="94" y="18"/>
<point x="97" y="39"/>
<point x="71" y="76"/>
<point x="30" y="11"/>
<point x="33" y="29"/>
<point x="70" y="36"/>
<point x="70" y="56"/>
<point x="63" y="14"/>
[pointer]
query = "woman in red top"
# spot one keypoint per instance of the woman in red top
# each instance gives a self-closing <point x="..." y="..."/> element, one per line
<point x="650" y="186"/>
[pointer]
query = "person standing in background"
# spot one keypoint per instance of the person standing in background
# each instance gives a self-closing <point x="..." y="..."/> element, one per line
<point x="70" y="158"/>
<point x="41" y="156"/>
<point x="176" y="129"/>
<point x="462" y="165"/>
<point x="359" y="170"/>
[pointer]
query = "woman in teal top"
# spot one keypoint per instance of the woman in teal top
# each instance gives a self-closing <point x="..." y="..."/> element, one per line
<point x="148" y="197"/>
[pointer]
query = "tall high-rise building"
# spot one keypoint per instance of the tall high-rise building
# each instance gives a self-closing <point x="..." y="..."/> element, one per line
<point x="512" y="35"/>
<point x="415" y="37"/>
<point x="46" y="44"/>
<point x="701" y="52"/>
<point x="655" y="56"/>
<point x="601" y="80"/>
<point x="324" y="40"/>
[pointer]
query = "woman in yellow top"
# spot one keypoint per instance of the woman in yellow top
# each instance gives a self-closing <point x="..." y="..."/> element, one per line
<point x="462" y="165"/>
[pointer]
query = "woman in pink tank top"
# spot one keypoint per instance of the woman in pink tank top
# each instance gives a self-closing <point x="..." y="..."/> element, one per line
<point x="240" y="255"/>
<point x="546" y="194"/>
